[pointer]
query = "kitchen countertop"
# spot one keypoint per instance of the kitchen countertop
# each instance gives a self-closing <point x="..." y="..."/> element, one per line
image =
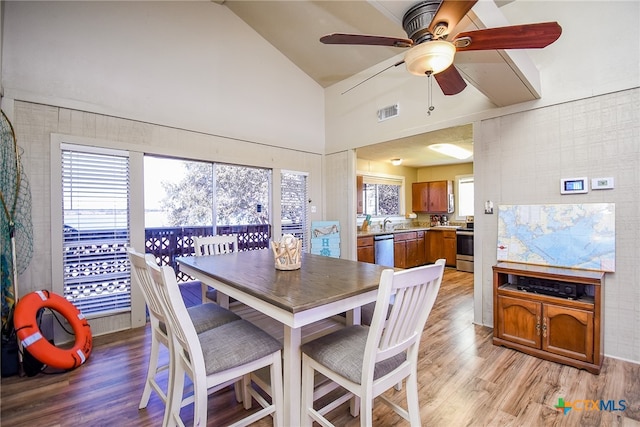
<point x="405" y="230"/>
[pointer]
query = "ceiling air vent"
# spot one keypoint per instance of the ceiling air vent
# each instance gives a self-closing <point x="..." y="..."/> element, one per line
<point x="388" y="112"/>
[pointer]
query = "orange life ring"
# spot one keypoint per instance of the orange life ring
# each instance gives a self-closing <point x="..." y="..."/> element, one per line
<point x="39" y="347"/>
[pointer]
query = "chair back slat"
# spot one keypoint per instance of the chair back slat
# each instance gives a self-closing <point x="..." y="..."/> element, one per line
<point x="215" y="245"/>
<point x="178" y="320"/>
<point x="144" y="281"/>
<point x="392" y="332"/>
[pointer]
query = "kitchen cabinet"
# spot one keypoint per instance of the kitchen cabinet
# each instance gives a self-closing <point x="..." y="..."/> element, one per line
<point x="409" y="249"/>
<point x="551" y="327"/>
<point x="432" y="197"/>
<point x="365" y="249"/>
<point x="359" y="194"/>
<point x="441" y="243"/>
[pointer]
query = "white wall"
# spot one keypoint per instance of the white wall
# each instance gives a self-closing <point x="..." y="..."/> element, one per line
<point x="339" y="177"/>
<point x="190" y="65"/>
<point x="520" y="159"/>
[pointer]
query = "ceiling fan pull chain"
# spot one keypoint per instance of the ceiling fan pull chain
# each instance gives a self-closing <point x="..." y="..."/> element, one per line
<point x="430" y="93"/>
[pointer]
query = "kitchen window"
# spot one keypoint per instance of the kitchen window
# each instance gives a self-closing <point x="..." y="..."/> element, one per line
<point x="465" y="188"/>
<point x="383" y="195"/>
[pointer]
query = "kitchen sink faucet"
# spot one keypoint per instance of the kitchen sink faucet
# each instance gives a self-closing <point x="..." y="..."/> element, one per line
<point x="384" y="224"/>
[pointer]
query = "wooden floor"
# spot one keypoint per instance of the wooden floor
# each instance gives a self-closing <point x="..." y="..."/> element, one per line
<point x="464" y="380"/>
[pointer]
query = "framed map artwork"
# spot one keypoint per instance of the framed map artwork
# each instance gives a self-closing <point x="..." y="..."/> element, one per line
<point x="580" y="236"/>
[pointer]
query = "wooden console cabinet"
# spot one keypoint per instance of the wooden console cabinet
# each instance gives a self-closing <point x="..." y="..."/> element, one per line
<point x="559" y="329"/>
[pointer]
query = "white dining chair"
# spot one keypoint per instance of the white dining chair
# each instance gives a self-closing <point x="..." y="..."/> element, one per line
<point x="216" y="358"/>
<point x="368" y="360"/>
<point x="214" y="245"/>
<point x="204" y="317"/>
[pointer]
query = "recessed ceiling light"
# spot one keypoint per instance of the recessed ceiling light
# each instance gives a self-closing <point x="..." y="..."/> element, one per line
<point x="396" y="162"/>
<point x="451" y="151"/>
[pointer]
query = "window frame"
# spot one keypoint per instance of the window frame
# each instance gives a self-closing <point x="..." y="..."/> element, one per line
<point x="58" y="224"/>
<point x="135" y="315"/>
<point x="458" y="179"/>
<point x="386" y="179"/>
<point x="306" y="242"/>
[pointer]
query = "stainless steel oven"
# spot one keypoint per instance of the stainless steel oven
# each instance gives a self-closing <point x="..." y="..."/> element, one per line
<point x="464" y="249"/>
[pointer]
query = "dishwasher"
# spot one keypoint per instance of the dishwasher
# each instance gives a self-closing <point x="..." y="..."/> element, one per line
<point x="383" y="249"/>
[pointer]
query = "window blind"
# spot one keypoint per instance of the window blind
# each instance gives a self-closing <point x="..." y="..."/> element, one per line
<point x="95" y="195"/>
<point x="294" y="206"/>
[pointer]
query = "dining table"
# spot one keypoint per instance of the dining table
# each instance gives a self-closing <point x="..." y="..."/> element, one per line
<point x="321" y="288"/>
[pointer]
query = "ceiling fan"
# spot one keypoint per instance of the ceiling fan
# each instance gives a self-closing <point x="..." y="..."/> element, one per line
<point x="428" y="23"/>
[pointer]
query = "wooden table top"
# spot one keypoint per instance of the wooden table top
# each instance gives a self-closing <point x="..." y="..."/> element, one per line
<point x="320" y="280"/>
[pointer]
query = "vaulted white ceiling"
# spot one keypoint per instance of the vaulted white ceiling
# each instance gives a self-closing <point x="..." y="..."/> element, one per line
<point x="295" y="27"/>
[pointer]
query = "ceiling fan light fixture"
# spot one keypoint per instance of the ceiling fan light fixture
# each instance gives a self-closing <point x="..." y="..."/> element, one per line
<point x="430" y="57"/>
<point x="451" y="151"/>
<point x="396" y="162"/>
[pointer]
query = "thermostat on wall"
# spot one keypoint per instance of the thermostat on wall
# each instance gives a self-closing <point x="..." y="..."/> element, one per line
<point x="574" y="185"/>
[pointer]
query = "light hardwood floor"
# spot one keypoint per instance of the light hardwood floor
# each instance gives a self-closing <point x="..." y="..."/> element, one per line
<point x="464" y="380"/>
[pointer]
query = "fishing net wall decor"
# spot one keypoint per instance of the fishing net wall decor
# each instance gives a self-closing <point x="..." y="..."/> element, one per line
<point x="16" y="229"/>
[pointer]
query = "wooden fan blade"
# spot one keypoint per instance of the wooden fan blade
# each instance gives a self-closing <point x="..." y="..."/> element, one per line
<point x="450" y="81"/>
<point x="448" y="15"/>
<point x="362" y="39"/>
<point x="527" y="36"/>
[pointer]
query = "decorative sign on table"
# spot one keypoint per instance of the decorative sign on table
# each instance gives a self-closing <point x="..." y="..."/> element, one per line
<point x="581" y="236"/>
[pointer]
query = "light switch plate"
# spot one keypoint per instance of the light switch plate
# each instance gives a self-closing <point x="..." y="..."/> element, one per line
<point x="602" y="183"/>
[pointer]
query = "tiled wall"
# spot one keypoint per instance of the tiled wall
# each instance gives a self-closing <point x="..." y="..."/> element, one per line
<point x="520" y="159"/>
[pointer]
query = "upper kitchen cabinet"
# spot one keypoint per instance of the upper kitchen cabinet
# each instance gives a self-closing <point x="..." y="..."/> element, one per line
<point x="433" y="197"/>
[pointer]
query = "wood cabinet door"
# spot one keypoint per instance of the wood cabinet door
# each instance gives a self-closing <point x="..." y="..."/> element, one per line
<point x="519" y="321"/>
<point x="420" y="197"/>
<point x="419" y="248"/>
<point x="449" y="244"/>
<point x="400" y="254"/>
<point x="427" y="253"/>
<point x="413" y="253"/>
<point x="568" y="332"/>
<point x="435" y="244"/>
<point x="365" y="254"/>
<point x="438" y="197"/>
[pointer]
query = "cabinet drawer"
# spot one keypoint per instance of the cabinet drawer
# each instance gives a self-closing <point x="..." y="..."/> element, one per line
<point x="365" y="241"/>
<point x="449" y="234"/>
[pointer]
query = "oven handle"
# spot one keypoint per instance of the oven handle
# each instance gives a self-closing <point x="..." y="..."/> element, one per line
<point x="464" y="233"/>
